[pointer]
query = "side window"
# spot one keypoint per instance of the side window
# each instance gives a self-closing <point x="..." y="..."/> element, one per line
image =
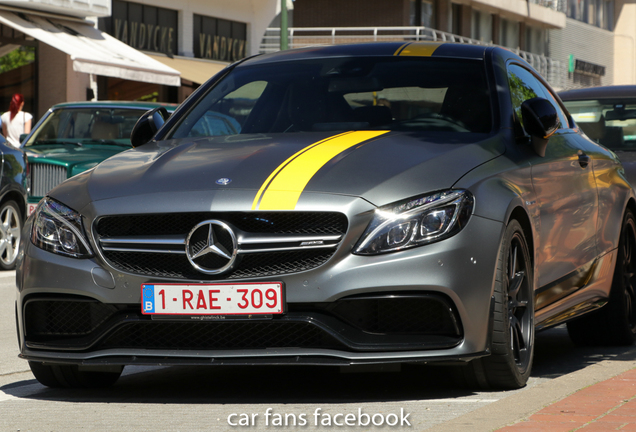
<point x="524" y="85"/>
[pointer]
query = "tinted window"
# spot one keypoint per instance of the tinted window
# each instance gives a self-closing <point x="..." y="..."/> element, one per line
<point x="340" y="94"/>
<point x="611" y="123"/>
<point x="87" y="125"/>
<point x="524" y="85"/>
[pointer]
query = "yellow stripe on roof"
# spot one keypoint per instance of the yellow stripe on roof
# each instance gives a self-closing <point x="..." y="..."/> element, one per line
<point x="397" y="52"/>
<point x="283" y="187"/>
<point x="420" y="49"/>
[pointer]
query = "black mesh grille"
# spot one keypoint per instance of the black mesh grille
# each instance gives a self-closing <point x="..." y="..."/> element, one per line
<point x="219" y="335"/>
<point x="65" y="318"/>
<point x="250" y="265"/>
<point x="247" y="265"/>
<point x="407" y="315"/>
<point x="362" y="323"/>
<point x="256" y="222"/>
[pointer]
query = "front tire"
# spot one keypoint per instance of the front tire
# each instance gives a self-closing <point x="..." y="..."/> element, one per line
<point x="512" y="336"/>
<point x="71" y="376"/>
<point x="615" y="323"/>
<point x="10" y="231"/>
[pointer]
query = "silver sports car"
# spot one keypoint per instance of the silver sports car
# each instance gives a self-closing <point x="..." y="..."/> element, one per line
<point x="418" y="202"/>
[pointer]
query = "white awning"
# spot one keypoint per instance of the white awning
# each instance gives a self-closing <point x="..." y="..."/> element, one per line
<point x="91" y="50"/>
<point x="192" y="69"/>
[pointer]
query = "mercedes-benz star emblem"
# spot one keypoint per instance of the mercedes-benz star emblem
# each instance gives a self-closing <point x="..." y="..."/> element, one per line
<point x="211" y="247"/>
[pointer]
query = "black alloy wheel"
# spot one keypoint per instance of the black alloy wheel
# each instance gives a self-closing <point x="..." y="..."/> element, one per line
<point x="519" y="299"/>
<point x="512" y="337"/>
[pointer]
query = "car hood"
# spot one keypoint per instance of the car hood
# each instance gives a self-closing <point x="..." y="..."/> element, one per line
<point x="77" y="158"/>
<point x="381" y="169"/>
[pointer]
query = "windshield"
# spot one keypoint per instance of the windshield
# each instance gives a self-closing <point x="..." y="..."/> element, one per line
<point x="79" y="126"/>
<point x="610" y="123"/>
<point x="341" y="94"/>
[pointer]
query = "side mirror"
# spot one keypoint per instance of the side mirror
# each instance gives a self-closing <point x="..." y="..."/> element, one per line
<point x="148" y="125"/>
<point x="22" y="137"/>
<point x="540" y="120"/>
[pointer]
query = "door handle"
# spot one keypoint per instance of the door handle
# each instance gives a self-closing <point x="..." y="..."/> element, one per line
<point x="584" y="159"/>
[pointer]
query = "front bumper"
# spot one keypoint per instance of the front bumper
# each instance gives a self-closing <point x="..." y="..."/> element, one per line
<point x="455" y="276"/>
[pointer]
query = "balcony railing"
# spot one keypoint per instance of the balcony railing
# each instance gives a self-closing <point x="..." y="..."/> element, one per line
<point x="554" y="71"/>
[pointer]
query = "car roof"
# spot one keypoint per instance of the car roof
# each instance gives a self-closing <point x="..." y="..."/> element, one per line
<point x="603" y="92"/>
<point x="388" y="49"/>
<point x="117" y="104"/>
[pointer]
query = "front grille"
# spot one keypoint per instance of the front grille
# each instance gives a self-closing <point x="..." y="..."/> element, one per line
<point x="64" y="318"/>
<point x="220" y="335"/>
<point x="253" y="265"/>
<point x="389" y="322"/>
<point x="45" y="177"/>
<point x="254" y="222"/>
<point x="270" y="243"/>
<point x="408" y="314"/>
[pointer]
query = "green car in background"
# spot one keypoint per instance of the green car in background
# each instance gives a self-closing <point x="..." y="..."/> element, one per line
<point x="76" y="136"/>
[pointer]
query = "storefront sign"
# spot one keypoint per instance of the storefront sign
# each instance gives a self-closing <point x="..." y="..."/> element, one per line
<point x="219" y="39"/>
<point x="586" y="68"/>
<point x="143" y="27"/>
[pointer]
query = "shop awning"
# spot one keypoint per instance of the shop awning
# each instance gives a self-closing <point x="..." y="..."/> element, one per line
<point x="91" y="50"/>
<point x="195" y="70"/>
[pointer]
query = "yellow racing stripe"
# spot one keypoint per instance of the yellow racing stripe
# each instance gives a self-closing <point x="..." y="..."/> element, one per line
<point x="419" y="49"/>
<point x="283" y="187"/>
<point x="396" y="53"/>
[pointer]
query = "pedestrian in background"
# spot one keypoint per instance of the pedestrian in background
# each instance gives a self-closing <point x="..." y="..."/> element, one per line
<point x="16" y="122"/>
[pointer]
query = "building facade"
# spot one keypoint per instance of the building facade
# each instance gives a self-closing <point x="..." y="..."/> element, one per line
<point x="76" y="50"/>
<point x="585" y="42"/>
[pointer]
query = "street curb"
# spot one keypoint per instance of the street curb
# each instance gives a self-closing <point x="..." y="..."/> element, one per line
<point x="7" y="274"/>
<point x="523" y="404"/>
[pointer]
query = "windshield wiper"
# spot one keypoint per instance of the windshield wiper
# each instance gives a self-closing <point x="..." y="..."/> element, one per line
<point x="106" y="141"/>
<point x="57" y="141"/>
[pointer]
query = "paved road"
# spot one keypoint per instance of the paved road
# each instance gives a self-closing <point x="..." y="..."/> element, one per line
<point x="204" y="398"/>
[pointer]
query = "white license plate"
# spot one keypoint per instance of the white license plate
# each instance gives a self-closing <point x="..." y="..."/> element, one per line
<point x="213" y="299"/>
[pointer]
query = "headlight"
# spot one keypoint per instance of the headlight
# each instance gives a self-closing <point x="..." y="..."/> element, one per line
<point x="416" y="222"/>
<point x="59" y="229"/>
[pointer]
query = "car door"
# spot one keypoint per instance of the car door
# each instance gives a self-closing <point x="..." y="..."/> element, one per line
<point x="566" y="198"/>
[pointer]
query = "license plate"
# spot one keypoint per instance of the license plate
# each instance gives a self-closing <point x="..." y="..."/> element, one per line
<point x="212" y="299"/>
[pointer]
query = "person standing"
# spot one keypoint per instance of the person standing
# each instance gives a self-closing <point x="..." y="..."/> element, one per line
<point x="16" y="122"/>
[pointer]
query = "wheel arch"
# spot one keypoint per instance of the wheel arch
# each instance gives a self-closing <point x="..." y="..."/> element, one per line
<point x="17" y="197"/>
<point x="519" y="214"/>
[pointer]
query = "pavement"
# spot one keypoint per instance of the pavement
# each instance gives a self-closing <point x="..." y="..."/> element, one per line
<point x="600" y="397"/>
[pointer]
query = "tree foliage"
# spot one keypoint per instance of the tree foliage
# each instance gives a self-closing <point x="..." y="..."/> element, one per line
<point x="17" y="58"/>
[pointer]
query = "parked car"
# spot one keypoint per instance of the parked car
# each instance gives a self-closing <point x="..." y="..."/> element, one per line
<point x="13" y="186"/>
<point x="607" y="115"/>
<point x="418" y="202"/>
<point x="75" y="136"/>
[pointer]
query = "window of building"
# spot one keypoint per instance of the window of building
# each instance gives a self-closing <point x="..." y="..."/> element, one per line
<point x="143" y="27"/>
<point x="535" y="40"/>
<point x="509" y="33"/>
<point x="481" y="26"/>
<point x="218" y="39"/>
<point x="422" y="13"/>
<point x="608" y="15"/>
<point x="456" y="19"/>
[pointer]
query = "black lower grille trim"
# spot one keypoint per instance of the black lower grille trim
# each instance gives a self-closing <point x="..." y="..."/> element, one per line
<point x="220" y="335"/>
<point x="355" y="324"/>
